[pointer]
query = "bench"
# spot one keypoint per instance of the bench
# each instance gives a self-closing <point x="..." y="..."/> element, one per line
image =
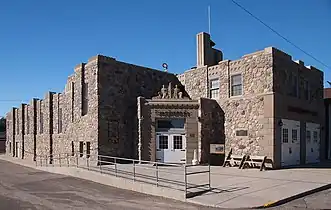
<point x="255" y="161"/>
<point x="234" y="160"/>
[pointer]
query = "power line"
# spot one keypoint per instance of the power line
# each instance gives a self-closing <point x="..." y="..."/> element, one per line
<point x="280" y="35"/>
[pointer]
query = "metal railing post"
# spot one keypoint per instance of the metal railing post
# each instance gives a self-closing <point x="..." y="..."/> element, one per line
<point x="100" y="165"/>
<point x="77" y="160"/>
<point x="134" y="171"/>
<point x="209" y="176"/>
<point x="60" y="160"/>
<point x="185" y="180"/>
<point x="115" y="167"/>
<point x="68" y="160"/>
<point x="157" y="174"/>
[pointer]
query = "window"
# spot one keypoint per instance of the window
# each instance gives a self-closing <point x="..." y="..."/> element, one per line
<point x="27" y="122"/>
<point x="60" y="120"/>
<point x="308" y="136"/>
<point x="163" y="142"/>
<point x="178" y="142"/>
<point x="285" y="135"/>
<point x="85" y="99"/>
<point x="293" y="91"/>
<point x="173" y="123"/>
<point x="294" y="135"/>
<point x="41" y="122"/>
<point x="81" y="148"/>
<point x="72" y="101"/>
<point x="72" y="149"/>
<point x="306" y="90"/>
<point x="236" y="85"/>
<point x="214" y="88"/>
<point x="18" y="124"/>
<point x="88" y="147"/>
<point x="315" y="136"/>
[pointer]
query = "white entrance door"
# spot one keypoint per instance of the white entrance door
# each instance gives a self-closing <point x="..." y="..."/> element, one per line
<point x="290" y="141"/>
<point x="312" y="143"/>
<point x="171" y="148"/>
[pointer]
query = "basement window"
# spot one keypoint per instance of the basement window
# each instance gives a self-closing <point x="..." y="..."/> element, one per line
<point x="81" y="149"/>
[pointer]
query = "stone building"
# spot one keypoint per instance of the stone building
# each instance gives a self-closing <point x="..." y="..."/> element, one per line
<point x="273" y="105"/>
<point x="261" y="104"/>
<point x="327" y="103"/>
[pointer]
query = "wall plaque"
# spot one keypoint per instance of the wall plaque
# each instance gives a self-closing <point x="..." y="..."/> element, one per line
<point x="241" y="133"/>
<point x="217" y="149"/>
<point x="173" y="113"/>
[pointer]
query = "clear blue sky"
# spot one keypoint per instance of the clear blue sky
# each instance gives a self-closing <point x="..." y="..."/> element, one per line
<point x="42" y="41"/>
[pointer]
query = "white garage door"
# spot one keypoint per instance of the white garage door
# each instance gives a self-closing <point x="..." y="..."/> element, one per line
<point x="312" y="143"/>
<point x="290" y="141"/>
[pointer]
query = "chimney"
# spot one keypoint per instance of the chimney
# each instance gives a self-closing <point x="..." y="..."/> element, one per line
<point x="206" y="54"/>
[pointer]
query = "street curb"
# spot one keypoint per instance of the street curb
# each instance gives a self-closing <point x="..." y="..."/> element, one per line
<point x="294" y="197"/>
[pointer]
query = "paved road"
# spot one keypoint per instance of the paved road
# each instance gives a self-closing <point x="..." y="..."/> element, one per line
<point x="320" y="200"/>
<point x="27" y="188"/>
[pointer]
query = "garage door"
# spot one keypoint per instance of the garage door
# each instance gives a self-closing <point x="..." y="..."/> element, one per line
<point x="312" y="143"/>
<point x="290" y="141"/>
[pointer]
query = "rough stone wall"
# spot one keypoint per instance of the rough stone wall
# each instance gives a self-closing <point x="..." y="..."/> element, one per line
<point x="10" y="132"/>
<point x="19" y="137"/>
<point x="244" y="112"/>
<point x="211" y="130"/>
<point x="76" y="127"/>
<point x="119" y="86"/>
<point x="28" y="134"/>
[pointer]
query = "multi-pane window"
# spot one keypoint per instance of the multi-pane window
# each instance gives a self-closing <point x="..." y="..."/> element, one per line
<point x="81" y="149"/>
<point x="60" y="120"/>
<point x="315" y="136"/>
<point x="308" y="136"/>
<point x="163" y="142"/>
<point x="285" y="135"/>
<point x="88" y="149"/>
<point x="214" y="88"/>
<point x="85" y="99"/>
<point x="236" y="85"/>
<point x="178" y="142"/>
<point x="306" y="90"/>
<point x="294" y="135"/>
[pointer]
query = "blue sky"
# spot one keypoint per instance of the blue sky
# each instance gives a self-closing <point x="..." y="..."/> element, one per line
<point x="42" y="41"/>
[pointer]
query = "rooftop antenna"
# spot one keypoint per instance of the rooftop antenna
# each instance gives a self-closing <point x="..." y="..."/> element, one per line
<point x="209" y="20"/>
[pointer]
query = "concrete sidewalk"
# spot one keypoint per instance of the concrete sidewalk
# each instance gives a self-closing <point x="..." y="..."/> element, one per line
<point x="249" y="188"/>
<point x="231" y="187"/>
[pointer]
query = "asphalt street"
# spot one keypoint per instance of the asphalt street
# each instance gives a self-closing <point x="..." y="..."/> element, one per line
<point x="27" y="188"/>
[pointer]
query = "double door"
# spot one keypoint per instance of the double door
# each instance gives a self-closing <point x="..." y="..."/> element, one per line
<point x="170" y="148"/>
<point x="290" y="141"/>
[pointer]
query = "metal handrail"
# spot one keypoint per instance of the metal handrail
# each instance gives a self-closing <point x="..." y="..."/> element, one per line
<point x="155" y="170"/>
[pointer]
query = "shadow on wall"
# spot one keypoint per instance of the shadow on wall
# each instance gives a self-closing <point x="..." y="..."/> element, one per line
<point x="212" y="131"/>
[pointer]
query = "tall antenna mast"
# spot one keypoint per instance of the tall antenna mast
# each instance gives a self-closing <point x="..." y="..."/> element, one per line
<point x="209" y="20"/>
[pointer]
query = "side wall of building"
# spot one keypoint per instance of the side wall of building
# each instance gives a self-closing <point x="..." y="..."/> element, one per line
<point x="10" y="132"/>
<point x="119" y="86"/>
<point x="296" y="101"/>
